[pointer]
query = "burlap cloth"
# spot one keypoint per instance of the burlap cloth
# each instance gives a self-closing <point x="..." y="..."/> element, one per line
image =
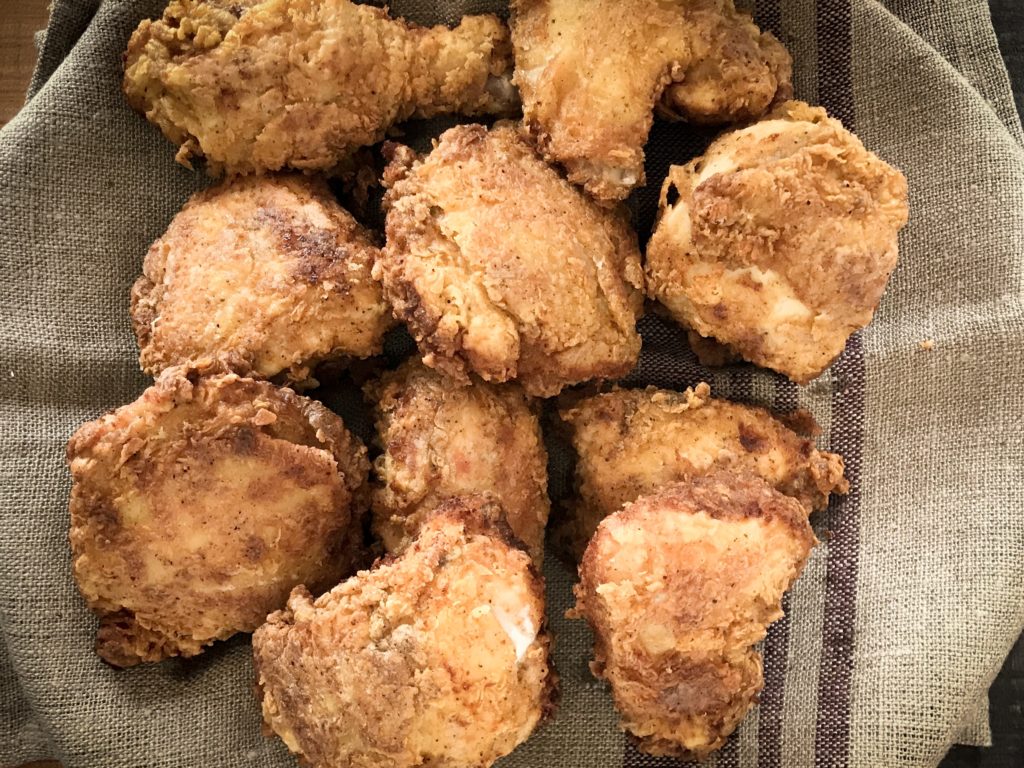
<point x="904" y="613"/>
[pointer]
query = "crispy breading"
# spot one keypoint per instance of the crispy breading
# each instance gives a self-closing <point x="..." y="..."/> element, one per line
<point x="779" y="241"/>
<point x="591" y="75"/>
<point x="270" y="274"/>
<point x="197" y="508"/>
<point x="257" y="86"/>
<point x="678" y="587"/>
<point x="442" y="440"/>
<point x="631" y="442"/>
<point x="437" y="657"/>
<point x="500" y="267"/>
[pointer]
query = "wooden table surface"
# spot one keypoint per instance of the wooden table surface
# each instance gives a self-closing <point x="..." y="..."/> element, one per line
<point x="22" y="18"/>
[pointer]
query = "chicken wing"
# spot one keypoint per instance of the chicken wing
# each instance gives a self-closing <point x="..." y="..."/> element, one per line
<point x="442" y="441"/>
<point x="267" y="84"/>
<point x="592" y="73"/>
<point x="437" y="657"/>
<point x="197" y="508"/>
<point x="677" y="588"/>
<point x="631" y="442"/>
<point x="779" y="241"/>
<point x="502" y="268"/>
<point x="270" y="274"/>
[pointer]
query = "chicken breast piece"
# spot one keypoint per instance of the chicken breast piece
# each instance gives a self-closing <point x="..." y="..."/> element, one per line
<point x="269" y="274"/>
<point x="501" y="268"/>
<point x="441" y="441"/>
<point x="196" y="509"/>
<point x="437" y="657"/>
<point x="779" y="241"/>
<point x="677" y="588"/>
<point x="262" y="85"/>
<point x="591" y="75"/>
<point x="631" y="442"/>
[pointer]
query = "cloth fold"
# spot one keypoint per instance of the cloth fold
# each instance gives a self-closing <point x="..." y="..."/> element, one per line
<point x="905" y="612"/>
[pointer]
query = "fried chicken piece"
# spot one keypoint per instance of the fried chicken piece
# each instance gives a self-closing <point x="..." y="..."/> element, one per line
<point x="592" y="73"/>
<point x="502" y="268"/>
<point x="437" y="657"/>
<point x="677" y="588"/>
<point x="779" y="240"/>
<point x="197" y="508"/>
<point x="442" y="441"/>
<point x="631" y="442"/>
<point x="256" y="86"/>
<point x="270" y="274"/>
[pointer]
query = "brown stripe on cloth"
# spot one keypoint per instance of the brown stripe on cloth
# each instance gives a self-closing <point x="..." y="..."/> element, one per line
<point x="832" y="730"/>
<point x="776" y="644"/>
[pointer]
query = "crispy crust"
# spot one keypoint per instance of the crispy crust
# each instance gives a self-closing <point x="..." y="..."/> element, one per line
<point x="415" y="662"/>
<point x="500" y="267"/>
<point x="631" y="442"/>
<point x="269" y="274"/>
<point x="677" y="588"/>
<point x="258" y="86"/>
<point x="195" y="509"/>
<point x="592" y="75"/>
<point x="441" y="440"/>
<point x="778" y="242"/>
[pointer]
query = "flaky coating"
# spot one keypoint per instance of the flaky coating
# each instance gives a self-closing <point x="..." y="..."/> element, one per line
<point x="591" y="75"/>
<point x="438" y="657"/>
<point x="197" y="508"/>
<point x="779" y="241"/>
<point x="441" y="440"/>
<point x="257" y="86"/>
<point x="631" y="442"/>
<point x="500" y="267"/>
<point x="270" y="274"/>
<point x="677" y="588"/>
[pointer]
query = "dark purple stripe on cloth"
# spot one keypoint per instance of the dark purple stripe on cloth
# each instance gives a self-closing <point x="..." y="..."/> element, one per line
<point x="768" y="15"/>
<point x="832" y="731"/>
<point x="776" y="644"/>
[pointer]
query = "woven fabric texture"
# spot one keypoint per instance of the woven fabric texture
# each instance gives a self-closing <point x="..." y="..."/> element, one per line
<point x="906" y="610"/>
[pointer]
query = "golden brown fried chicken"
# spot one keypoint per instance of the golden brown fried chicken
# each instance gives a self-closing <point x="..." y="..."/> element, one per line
<point x="779" y="240"/>
<point x="502" y="268"/>
<point x="592" y="73"/>
<point x="196" y="509"/>
<point x="256" y="86"/>
<point x="438" y="657"/>
<point x="441" y="440"/>
<point x="631" y="442"/>
<point x="678" y="587"/>
<point x="270" y="274"/>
